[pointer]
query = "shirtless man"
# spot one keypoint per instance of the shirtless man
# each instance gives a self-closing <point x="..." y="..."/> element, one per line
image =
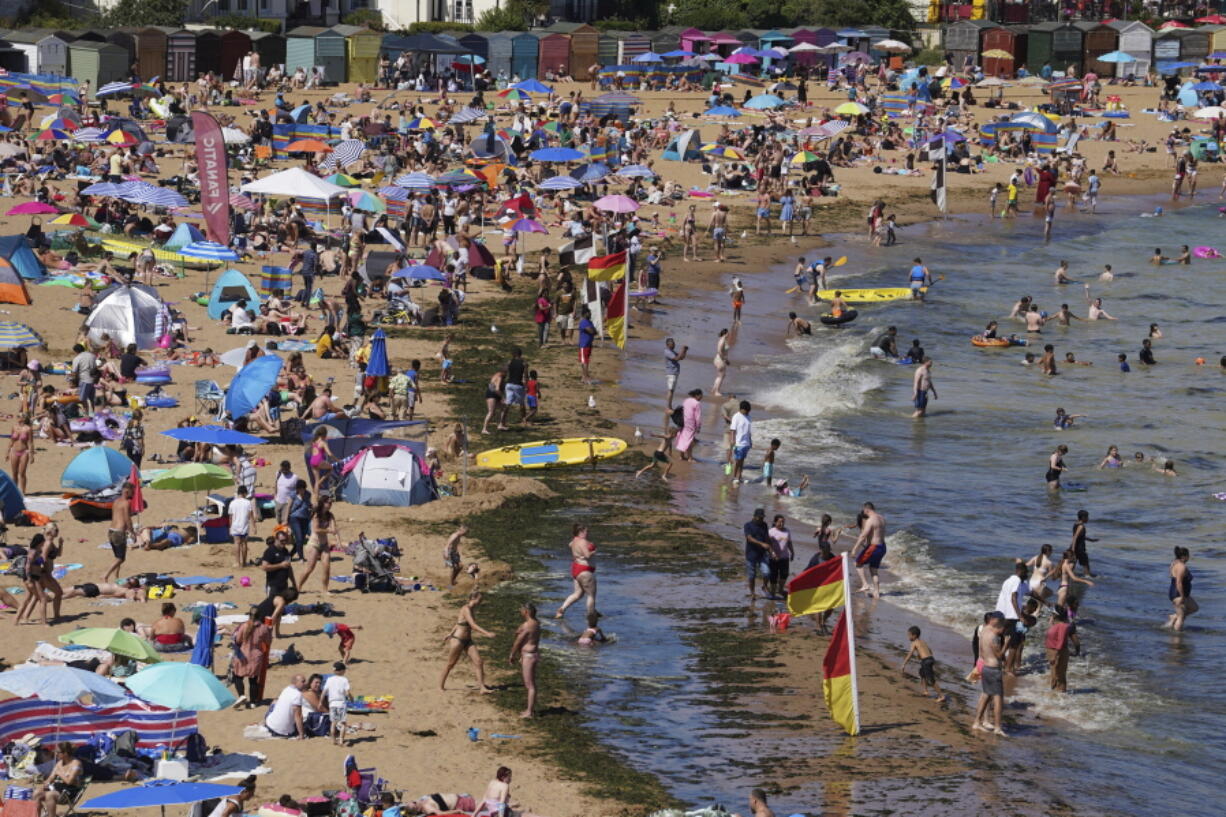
<point x="1064" y="317"/>
<point x="798" y="326"/>
<point x="992" y="678"/>
<point x="920" y="386"/>
<point x="1096" y="311"/>
<point x="120" y="530"/>
<point x="1062" y="274"/>
<point x="719" y="230"/>
<point x="869" y="550"/>
<point x="1034" y="319"/>
<point x="129" y="591"/>
<point x="757" y="804"/>
<point x="323" y="407"/>
<point x="526" y="650"/>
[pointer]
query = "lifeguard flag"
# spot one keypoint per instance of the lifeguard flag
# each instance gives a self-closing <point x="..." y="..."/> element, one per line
<point x="615" y="316"/>
<point x="607" y="267"/>
<point x="838" y="682"/>
<point x="817" y="589"/>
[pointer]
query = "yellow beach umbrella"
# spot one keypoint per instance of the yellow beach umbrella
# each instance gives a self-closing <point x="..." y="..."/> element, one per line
<point x="851" y="109"/>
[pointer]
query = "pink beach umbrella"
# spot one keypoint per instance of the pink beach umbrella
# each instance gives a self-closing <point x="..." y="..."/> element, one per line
<point x="528" y="225"/>
<point x="241" y="201"/>
<point x="31" y="208"/>
<point x="617" y="204"/>
<point x="741" y="59"/>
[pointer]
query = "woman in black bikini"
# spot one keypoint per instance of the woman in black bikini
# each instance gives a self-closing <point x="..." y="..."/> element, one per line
<point x="461" y="641"/>
<point x="493" y="398"/>
<point x="1055" y="467"/>
<point x="1181" y="589"/>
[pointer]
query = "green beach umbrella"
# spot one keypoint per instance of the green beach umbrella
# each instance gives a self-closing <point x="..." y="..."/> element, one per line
<point x="119" y="642"/>
<point x="193" y="476"/>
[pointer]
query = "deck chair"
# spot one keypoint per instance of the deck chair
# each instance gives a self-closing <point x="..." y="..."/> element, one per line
<point x="70" y="803"/>
<point x="209" y="397"/>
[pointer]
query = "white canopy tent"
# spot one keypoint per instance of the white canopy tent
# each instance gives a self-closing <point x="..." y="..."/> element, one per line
<point x="295" y="183"/>
<point x="128" y="314"/>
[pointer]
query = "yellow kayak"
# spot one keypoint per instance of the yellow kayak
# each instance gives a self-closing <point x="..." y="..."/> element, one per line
<point x="122" y="247"/>
<point x="866" y="296"/>
<point x="551" y="453"/>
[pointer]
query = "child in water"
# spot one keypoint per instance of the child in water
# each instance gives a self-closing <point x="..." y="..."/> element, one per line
<point x="593" y="635"/>
<point x="661" y="455"/>
<point x="927" y="663"/>
<point x="782" y="489"/>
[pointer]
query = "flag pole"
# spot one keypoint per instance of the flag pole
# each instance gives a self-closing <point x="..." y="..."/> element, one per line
<point x="944" y="214"/>
<point x="851" y="638"/>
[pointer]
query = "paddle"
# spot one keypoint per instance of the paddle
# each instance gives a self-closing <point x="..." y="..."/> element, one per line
<point x="842" y="260"/>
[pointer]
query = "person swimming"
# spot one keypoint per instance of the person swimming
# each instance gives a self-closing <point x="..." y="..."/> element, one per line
<point x="1063" y="420"/>
<point x="1112" y="460"/>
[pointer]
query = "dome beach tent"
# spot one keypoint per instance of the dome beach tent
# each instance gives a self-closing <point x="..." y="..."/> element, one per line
<point x="386" y="474"/>
<point x="231" y="287"/>
<point x="12" y="287"/>
<point x="17" y="251"/>
<point x="129" y="314"/>
<point x="183" y="235"/>
<point x="684" y="146"/>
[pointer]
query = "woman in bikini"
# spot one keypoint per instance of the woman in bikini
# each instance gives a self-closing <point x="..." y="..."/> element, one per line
<point x="169" y="633"/>
<point x="1041" y="568"/>
<point x="323" y="525"/>
<point x="1181" y="589"/>
<point x="526" y="650"/>
<point x="21" y="449"/>
<point x="321" y="459"/>
<point x="493" y="398"/>
<point x="689" y="235"/>
<point x="1068" y="575"/>
<point x="582" y="571"/>
<point x="37" y="572"/>
<point x="460" y="641"/>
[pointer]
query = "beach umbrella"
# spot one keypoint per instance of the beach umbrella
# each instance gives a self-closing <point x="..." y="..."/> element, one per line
<point x="362" y="200"/>
<point x="113" y="640"/>
<point x="617" y="204"/>
<point x="234" y="136"/>
<point x="181" y="686"/>
<point x="528" y="225"/>
<point x="421" y="123"/>
<point x="52" y="135"/>
<point x="1034" y="121"/>
<point x="157" y="197"/>
<point x="419" y="272"/>
<point x="801" y="48"/>
<point x="1217" y="55"/>
<point x="103" y="189"/>
<point x="851" y="109"/>
<point x="533" y="86"/>
<point x="723" y="152"/>
<point x="741" y="59"/>
<point x="892" y="46"/>
<point x="834" y="48"/>
<point x="636" y="172"/>
<point x="8" y="149"/>
<point x="377" y="365"/>
<point x="1206" y="85"/>
<point x="251" y="385"/>
<point x="514" y="94"/>
<point x="62" y="685"/>
<point x="89" y="135"/>
<point x="854" y="57"/>
<point x="342" y="180"/>
<point x="63" y="99"/>
<point x="1211" y="112"/>
<point x="991" y="82"/>
<point x="122" y="139"/>
<point x="1116" y="56"/>
<point x="57" y="122"/>
<point x="466" y="116"/>
<point x="763" y="102"/>
<point x="804" y="157"/>
<point x="1169" y="24"/>
<point x="307" y="146"/>
<point x="213" y="435"/>
<point x="416" y="181"/>
<point x="557" y="155"/>
<point x="997" y="54"/>
<point x="721" y="110"/>
<point x="95" y="468"/>
<point x="1211" y="19"/>
<point x="470" y="59"/>
<point x="648" y="57"/>
<point x="194" y="477"/>
<point x="561" y="183"/>
<point x="678" y="53"/>
<point x="209" y="250"/>
<point x="15" y="335"/>
<point x="391" y="191"/>
<point x="32" y="208"/>
<point x="160" y="793"/>
<point x="593" y="172"/>
<point x="1166" y="68"/>
<point x="953" y="83"/>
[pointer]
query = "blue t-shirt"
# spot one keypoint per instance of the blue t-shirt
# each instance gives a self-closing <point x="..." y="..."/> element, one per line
<point x="758" y="530"/>
<point x="587" y="333"/>
<point x="1124" y="367"/>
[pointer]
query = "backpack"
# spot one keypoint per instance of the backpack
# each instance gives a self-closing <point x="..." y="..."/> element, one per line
<point x="196" y="747"/>
<point x="678" y="417"/>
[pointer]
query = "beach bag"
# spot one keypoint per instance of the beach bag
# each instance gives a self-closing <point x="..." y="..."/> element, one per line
<point x="196" y="747"/>
<point x="678" y="417"/>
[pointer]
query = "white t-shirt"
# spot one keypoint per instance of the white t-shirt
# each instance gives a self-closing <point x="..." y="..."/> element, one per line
<point x="336" y="690"/>
<point x="281" y="719"/>
<point x="240" y="516"/>
<point x="742" y="430"/>
<point x="1013" y="586"/>
<point x="285" y="487"/>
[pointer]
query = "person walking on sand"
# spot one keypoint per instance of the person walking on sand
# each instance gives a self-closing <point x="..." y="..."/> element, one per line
<point x="120" y="531"/>
<point x="992" y="677"/>
<point x="526" y="650"/>
<point x="869" y="550"/>
<point x="451" y="553"/>
<point x="582" y="571"/>
<point x="672" y="366"/>
<point x="689" y="234"/>
<point x="1181" y="589"/>
<point x="720" y="362"/>
<point x="691" y="423"/>
<point x="460" y="641"/>
<point x="921" y="385"/>
<point x="927" y="663"/>
<point x="719" y="230"/>
<point x="742" y="440"/>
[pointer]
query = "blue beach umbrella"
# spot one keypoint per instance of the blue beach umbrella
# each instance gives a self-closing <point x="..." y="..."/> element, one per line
<point x="593" y="172"/>
<point x="161" y="793"/>
<point x="62" y="685"/>
<point x="648" y="56"/>
<point x="213" y="435"/>
<point x="1034" y="121"/>
<point x="1116" y="56"/>
<point x="15" y="335"/>
<point x="94" y="468"/>
<point x="377" y="366"/>
<point x="561" y="183"/>
<point x="721" y="110"/>
<point x="636" y="172"/>
<point x="419" y="272"/>
<point x="679" y="53"/>
<point x="209" y="250"/>
<point x="763" y="102"/>
<point x="1206" y="85"/>
<point x="534" y="86"/>
<point x="557" y="155"/>
<point x="251" y="384"/>
<point x="182" y="686"/>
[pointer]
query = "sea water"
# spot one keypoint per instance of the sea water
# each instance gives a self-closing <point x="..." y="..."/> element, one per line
<point x="963" y="491"/>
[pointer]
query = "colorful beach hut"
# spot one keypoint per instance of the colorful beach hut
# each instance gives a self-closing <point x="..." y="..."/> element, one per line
<point x="331" y="53"/>
<point x="584" y="45"/>
<point x="806" y="35"/>
<point x="478" y="44"/>
<point x="362" y="48"/>
<point x="1010" y="39"/>
<point x="45" y="53"/>
<point x="964" y="39"/>
<point x="181" y="56"/>
<point x="774" y="39"/>
<point x="151" y="44"/>
<point x="1136" y="40"/>
<point x="99" y="63"/>
<point x="694" y="39"/>
<point x="553" y="52"/>
<point x="270" y="47"/>
<point x="498" y="53"/>
<point x="300" y="48"/>
<point x="525" y="50"/>
<point x="1097" y="39"/>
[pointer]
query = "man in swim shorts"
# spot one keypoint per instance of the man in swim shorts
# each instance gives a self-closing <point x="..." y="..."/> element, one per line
<point x="992" y="681"/>
<point x="120" y="530"/>
<point x="870" y="549"/>
<point x="130" y="590"/>
<point x="921" y="385"/>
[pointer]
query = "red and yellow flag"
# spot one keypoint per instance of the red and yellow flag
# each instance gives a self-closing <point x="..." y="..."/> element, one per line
<point x="817" y="589"/>
<point x="615" y="315"/>
<point x="607" y="267"/>
<point x="838" y="679"/>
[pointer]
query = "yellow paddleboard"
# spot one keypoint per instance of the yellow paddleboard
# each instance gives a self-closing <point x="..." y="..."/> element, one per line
<point x="866" y="296"/>
<point x="551" y="453"/>
<point x="122" y="247"/>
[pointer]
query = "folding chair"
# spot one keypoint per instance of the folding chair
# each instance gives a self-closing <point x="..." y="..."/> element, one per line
<point x="70" y="803"/>
<point x="209" y="393"/>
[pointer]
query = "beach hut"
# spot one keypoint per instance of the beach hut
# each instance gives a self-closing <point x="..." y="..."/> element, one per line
<point x="584" y="44"/>
<point x="666" y="39"/>
<point x="694" y="39"/>
<point x="1097" y="39"/>
<point x="525" y="49"/>
<point x="99" y="63"/>
<point x="553" y="53"/>
<point x="1066" y="47"/>
<point x="393" y="45"/>
<point x="608" y="47"/>
<point x="300" y="48"/>
<point x="1193" y="43"/>
<point x="151" y="51"/>
<point x="93" y="35"/>
<point x="362" y="47"/>
<point x="1011" y="39"/>
<point x="748" y="37"/>
<point x="125" y="38"/>
<point x="498" y="54"/>
<point x="774" y="39"/>
<point x="181" y="56"/>
<point x="331" y="53"/>
<point x="478" y="44"/>
<point x="1136" y="40"/>
<point x="208" y="52"/>
<point x="1038" y="46"/>
<point x="44" y="52"/>
<point x="805" y="35"/>
<point x="1217" y="38"/>
<point x="270" y="47"/>
<point x="234" y="46"/>
<point x="724" y="43"/>
<point x="965" y="39"/>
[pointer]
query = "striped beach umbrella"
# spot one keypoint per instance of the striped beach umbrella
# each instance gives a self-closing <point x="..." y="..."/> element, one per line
<point x="835" y="126"/>
<point x="804" y="157"/>
<point x="57" y="122"/>
<point x="52" y="135"/>
<point x="89" y="135"/>
<point x="122" y="139"/>
<point x="234" y="136"/>
<point x="103" y="189"/>
<point x="241" y="201"/>
<point x="514" y="94"/>
<point x="15" y="335"/>
<point x="723" y="152"/>
<point x="209" y="250"/>
<point x="361" y="200"/>
<point x="416" y="181"/>
<point x="349" y="151"/>
<point x="466" y="116"/>
<point x="636" y="172"/>
<point x="74" y="220"/>
<point x="528" y="225"/>
<point x="421" y="123"/>
<point x="393" y="192"/>
<point x="561" y="183"/>
<point x="156" y="197"/>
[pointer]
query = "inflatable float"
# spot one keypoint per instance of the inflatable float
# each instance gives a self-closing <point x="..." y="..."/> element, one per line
<point x="1206" y="252"/>
<point x="863" y="296"/>
<point x="153" y="376"/>
<point x="551" y="453"/>
<point x="990" y="343"/>
<point x="847" y="317"/>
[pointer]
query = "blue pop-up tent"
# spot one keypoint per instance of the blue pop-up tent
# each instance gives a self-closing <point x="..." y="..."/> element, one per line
<point x="95" y="468"/>
<point x="231" y="287"/>
<point x="17" y="251"/>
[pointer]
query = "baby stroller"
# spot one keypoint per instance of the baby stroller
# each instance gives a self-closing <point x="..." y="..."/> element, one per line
<point x="374" y="565"/>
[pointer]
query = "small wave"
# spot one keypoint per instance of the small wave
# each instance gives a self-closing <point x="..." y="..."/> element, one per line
<point x="836" y="379"/>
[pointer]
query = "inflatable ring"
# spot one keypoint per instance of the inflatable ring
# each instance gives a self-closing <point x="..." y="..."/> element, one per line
<point x="990" y="343"/>
<point x="847" y="317"/>
<point x="1206" y="252"/>
<point x="154" y="380"/>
